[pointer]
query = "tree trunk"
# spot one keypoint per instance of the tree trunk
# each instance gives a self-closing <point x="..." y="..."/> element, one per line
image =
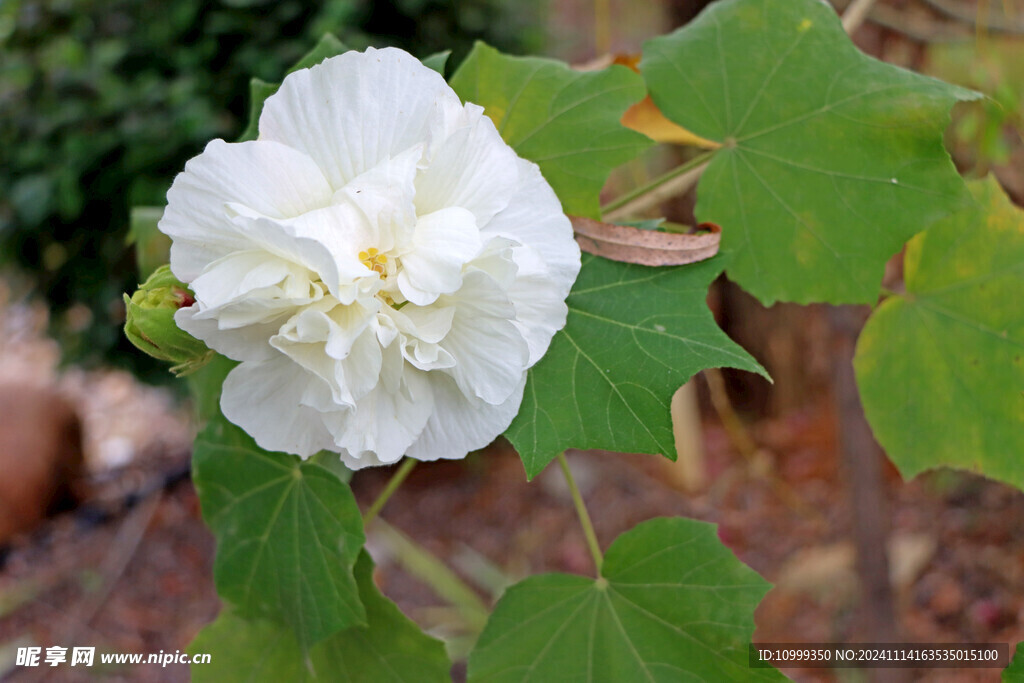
<point x="862" y="461"/>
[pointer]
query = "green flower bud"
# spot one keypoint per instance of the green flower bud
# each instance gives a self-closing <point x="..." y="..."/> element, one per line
<point x="150" y="326"/>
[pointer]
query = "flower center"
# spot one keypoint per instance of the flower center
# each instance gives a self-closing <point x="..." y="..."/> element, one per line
<point x="379" y="263"/>
<point x="375" y="261"/>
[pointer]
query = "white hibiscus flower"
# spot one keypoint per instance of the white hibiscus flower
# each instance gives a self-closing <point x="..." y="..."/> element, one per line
<point x="383" y="265"/>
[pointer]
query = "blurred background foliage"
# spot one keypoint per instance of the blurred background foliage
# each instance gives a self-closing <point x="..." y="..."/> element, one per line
<point x="985" y="133"/>
<point x="103" y="101"/>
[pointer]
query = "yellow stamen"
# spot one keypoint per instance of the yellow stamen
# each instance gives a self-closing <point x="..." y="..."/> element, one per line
<point x="375" y="261"/>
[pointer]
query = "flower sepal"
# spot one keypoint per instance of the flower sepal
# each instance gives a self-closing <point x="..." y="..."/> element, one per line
<point x="149" y="323"/>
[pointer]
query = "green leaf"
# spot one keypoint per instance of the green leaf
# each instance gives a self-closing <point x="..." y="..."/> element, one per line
<point x="328" y="46"/>
<point x="941" y="368"/>
<point x="389" y="649"/>
<point x="830" y="160"/>
<point x="331" y="462"/>
<point x="566" y="121"/>
<point x="247" y="650"/>
<point x="437" y="61"/>
<point x="1015" y="672"/>
<point x="205" y="386"/>
<point x="288" y="533"/>
<point x="634" y="336"/>
<point x="259" y="90"/>
<point x="152" y="247"/>
<point x="673" y="604"/>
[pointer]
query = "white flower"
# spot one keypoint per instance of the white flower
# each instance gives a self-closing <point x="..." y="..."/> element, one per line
<point x="383" y="265"/>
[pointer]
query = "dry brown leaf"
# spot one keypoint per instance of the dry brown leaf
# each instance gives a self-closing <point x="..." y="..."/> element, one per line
<point x="645" y="247"/>
<point x="645" y="117"/>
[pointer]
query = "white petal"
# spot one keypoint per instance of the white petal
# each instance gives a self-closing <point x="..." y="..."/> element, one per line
<point x="497" y="259"/>
<point x="540" y="306"/>
<point x="420" y="328"/>
<point x="489" y="351"/>
<point x="427" y="356"/>
<point x="242" y="343"/>
<point x="353" y="111"/>
<point x="534" y="218"/>
<point x="325" y="241"/>
<point x="443" y="242"/>
<point x="460" y="424"/>
<point x="263" y="398"/>
<point x="244" y="298"/>
<point x="384" y="423"/>
<point x="338" y="345"/>
<point x="426" y="323"/>
<point x="385" y="196"/>
<point x="473" y="169"/>
<point x="265" y="306"/>
<point x="539" y="314"/>
<point x="250" y="274"/>
<point x="268" y="178"/>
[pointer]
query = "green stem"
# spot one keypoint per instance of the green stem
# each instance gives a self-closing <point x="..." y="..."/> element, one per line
<point x="581" y="512"/>
<point x="396" y="480"/>
<point x="422" y="564"/>
<point x="419" y="562"/>
<point x="659" y="181"/>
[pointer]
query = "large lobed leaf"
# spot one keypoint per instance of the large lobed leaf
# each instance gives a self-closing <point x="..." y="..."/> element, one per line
<point x="831" y="160"/>
<point x="941" y="367"/>
<point x="673" y="604"/>
<point x="634" y="336"/>
<point x="565" y="121"/>
<point x="388" y="649"/>
<point x="288" y="533"/>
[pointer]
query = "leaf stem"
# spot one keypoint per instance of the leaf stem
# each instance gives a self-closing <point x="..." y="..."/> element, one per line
<point x="396" y="480"/>
<point x="424" y="565"/>
<point x="734" y="427"/>
<point x="743" y="442"/>
<point x="655" y="185"/>
<point x="581" y="512"/>
<point x="419" y="561"/>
